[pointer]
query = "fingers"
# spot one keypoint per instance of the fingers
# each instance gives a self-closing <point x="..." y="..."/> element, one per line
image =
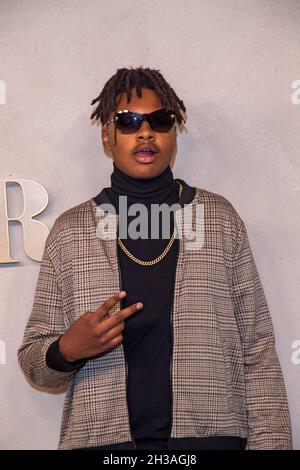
<point x="112" y="334"/>
<point x="108" y="304"/>
<point x="125" y="312"/>
<point x="115" y="342"/>
<point x="118" y="317"/>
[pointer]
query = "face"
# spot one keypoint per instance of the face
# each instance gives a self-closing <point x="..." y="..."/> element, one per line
<point x="122" y="150"/>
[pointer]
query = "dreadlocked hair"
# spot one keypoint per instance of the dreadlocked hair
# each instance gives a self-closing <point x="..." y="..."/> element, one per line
<point x="124" y="80"/>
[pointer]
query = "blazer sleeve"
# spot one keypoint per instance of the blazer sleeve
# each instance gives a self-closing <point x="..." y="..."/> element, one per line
<point x="45" y="324"/>
<point x="269" y="426"/>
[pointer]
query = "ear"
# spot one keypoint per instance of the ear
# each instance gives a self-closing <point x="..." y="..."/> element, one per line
<point x="105" y="139"/>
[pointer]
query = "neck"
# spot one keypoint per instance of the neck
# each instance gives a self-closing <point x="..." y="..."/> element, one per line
<point x="162" y="188"/>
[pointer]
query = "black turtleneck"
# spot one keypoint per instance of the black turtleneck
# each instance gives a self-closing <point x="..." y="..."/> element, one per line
<point x="148" y="332"/>
<point x="159" y="189"/>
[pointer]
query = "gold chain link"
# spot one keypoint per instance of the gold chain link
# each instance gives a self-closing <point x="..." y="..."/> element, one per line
<point x="163" y="254"/>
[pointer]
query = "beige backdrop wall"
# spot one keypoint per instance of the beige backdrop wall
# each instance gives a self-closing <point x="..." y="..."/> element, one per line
<point x="235" y="64"/>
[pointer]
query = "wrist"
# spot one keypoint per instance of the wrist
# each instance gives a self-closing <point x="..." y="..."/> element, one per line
<point x="63" y="351"/>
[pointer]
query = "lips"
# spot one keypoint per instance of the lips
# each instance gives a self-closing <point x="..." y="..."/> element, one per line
<point x="146" y="150"/>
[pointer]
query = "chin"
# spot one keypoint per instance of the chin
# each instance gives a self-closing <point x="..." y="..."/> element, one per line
<point x="145" y="170"/>
<point x="136" y="169"/>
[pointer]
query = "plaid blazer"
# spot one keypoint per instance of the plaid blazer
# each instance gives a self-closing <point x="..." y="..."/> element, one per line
<point x="226" y="376"/>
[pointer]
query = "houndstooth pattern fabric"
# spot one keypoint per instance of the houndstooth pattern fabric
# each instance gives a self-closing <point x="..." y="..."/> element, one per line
<point x="226" y="376"/>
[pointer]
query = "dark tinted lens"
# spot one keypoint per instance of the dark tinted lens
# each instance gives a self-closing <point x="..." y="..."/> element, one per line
<point x="161" y="120"/>
<point x="128" y="122"/>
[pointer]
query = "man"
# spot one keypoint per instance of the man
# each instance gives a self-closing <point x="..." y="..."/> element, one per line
<point x="188" y="360"/>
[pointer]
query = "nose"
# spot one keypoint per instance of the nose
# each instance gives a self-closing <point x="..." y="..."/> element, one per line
<point x="145" y="132"/>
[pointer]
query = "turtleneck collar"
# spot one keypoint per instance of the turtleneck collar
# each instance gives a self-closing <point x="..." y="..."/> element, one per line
<point x="162" y="188"/>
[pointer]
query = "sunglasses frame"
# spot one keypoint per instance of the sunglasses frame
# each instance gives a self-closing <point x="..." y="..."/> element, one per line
<point x="140" y="115"/>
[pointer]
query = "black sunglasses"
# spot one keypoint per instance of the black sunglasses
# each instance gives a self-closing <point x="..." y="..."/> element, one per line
<point x="129" y="122"/>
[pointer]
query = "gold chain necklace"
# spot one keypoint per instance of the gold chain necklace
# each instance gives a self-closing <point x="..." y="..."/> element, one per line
<point x="163" y="254"/>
